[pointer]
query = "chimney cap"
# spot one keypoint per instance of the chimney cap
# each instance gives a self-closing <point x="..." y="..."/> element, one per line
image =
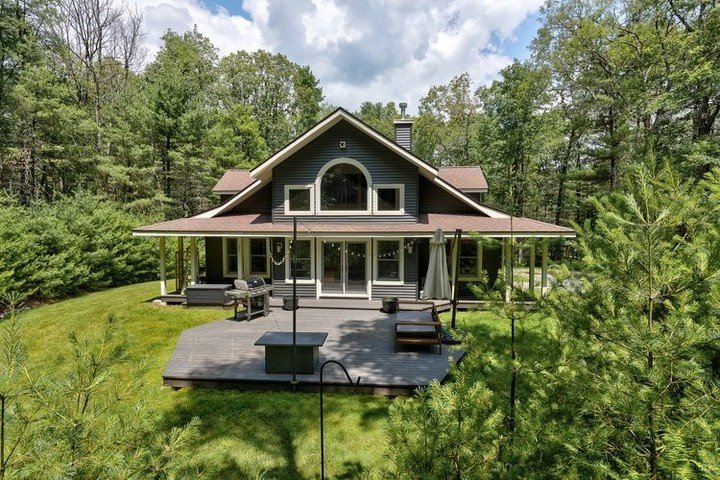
<point x="403" y="106"/>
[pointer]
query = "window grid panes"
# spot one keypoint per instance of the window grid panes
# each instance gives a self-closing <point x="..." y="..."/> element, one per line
<point x="343" y="188"/>
<point x="258" y="256"/>
<point x="299" y="199"/>
<point x="468" y="262"/>
<point x="304" y="260"/>
<point x="388" y="260"/>
<point x="388" y="199"/>
<point x="231" y="262"/>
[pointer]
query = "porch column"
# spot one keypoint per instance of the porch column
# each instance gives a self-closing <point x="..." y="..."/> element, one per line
<point x="238" y="252"/>
<point x="531" y="281"/>
<point x="163" y="272"/>
<point x="180" y="264"/>
<point x="544" y="284"/>
<point x="507" y="247"/>
<point x="194" y="267"/>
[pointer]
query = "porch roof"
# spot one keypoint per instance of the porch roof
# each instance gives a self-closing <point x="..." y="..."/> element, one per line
<point x="260" y="224"/>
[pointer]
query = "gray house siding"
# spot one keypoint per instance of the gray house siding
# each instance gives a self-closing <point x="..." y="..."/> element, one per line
<point x="282" y="288"/>
<point x="214" y="261"/>
<point x="383" y="165"/>
<point x="434" y="199"/>
<point x="258" y="202"/>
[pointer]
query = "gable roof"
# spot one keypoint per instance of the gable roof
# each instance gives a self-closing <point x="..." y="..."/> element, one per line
<point x="233" y="181"/>
<point x="468" y="179"/>
<point x="262" y="174"/>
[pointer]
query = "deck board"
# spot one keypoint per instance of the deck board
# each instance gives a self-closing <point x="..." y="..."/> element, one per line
<point x="223" y="354"/>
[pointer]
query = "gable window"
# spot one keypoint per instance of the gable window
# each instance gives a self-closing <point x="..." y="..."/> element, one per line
<point x="305" y="261"/>
<point x="257" y="257"/>
<point x="389" y="198"/>
<point x="299" y="199"/>
<point x="230" y="257"/>
<point x="344" y="188"/>
<point x="388" y="261"/>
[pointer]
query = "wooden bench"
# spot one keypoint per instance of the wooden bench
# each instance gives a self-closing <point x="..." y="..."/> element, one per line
<point x="418" y="333"/>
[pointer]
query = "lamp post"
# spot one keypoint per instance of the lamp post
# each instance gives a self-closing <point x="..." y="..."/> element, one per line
<point x="322" y="421"/>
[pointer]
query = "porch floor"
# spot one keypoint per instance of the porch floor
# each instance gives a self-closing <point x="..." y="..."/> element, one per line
<point x="222" y="354"/>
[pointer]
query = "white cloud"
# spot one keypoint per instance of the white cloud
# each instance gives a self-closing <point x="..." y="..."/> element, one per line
<point x="378" y="50"/>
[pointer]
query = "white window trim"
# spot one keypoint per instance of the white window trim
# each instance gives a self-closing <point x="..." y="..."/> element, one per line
<point x="310" y="187"/>
<point x="288" y="262"/>
<point x="401" y="267"/>
<point x="226" y="272"/>
<point x="479" y="264"/>
<point x="318" y="189"/>
<point x="376" y="198"/>
<point x="246" y="255"/>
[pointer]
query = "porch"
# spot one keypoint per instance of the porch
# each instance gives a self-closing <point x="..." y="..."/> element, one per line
<point x="222" y="354"/>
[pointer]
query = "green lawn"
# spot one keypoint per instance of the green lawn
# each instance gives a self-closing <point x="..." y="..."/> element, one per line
<point x="243" y="434"/>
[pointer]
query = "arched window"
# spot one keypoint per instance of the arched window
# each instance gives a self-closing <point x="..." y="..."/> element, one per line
<point x="344" y="187"/>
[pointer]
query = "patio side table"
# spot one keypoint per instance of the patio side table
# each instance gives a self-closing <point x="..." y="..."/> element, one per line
<point x="279" y="351"/>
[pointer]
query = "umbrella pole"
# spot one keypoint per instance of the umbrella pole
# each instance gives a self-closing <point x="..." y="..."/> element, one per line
<point x="456" y="260"/>
<point x="293" y="252"/>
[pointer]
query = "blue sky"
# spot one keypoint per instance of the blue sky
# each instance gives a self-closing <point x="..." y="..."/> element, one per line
<point x="377" y="50"/>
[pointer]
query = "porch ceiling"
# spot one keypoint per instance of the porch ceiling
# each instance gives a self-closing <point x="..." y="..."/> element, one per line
<point x="254" y="224"/>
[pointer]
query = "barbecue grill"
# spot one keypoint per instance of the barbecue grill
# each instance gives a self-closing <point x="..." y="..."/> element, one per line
<point x="253" y="294"/>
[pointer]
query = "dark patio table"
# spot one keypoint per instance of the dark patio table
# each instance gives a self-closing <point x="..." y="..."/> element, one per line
<point x="279" y="351"/>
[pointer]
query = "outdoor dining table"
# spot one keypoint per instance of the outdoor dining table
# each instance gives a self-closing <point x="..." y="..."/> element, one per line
<point x="279" y="351"/>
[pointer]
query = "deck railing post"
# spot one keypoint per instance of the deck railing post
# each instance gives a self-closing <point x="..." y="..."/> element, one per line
<point x="163" y="268"/>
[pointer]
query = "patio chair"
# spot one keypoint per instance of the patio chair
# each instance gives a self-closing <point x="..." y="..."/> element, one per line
<point x="418" y="332"/>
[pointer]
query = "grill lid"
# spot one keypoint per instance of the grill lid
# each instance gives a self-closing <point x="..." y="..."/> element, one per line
<point x="255" y="281"/>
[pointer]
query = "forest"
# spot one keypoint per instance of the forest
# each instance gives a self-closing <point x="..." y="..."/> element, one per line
<point x="85" y="116"/>
<point x="610" y="126"/>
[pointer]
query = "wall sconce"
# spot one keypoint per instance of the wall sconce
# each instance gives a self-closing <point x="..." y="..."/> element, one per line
<point x="409" y="247"/>
<point x="342" y="144"/>
<point x="279" y="247"/>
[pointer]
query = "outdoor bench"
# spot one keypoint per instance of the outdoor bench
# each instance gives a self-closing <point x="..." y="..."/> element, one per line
<point x="418" y="333"/>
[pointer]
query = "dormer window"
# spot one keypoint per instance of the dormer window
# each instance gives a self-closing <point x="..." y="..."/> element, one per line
<point x="344" y="187"/>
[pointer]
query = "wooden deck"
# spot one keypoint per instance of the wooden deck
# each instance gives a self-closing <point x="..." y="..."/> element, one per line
<point x="222" y="354"/>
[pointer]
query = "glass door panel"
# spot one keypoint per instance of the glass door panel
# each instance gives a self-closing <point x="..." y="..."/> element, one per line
<point x="332" y="278"/>
<point x="356" y="273"/>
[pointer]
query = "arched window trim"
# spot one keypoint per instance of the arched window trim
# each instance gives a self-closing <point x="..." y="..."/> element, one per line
<point x="318" y="190"/>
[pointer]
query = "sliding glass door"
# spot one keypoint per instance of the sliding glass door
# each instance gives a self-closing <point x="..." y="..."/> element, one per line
<point x="344" y="267"/>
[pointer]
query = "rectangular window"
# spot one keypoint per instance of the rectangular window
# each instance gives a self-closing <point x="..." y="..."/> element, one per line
<point x="304" y="260"/>
<point x="258" y="256"/>
<point x="388" y="260"/>
<point x="298" y="199"/>
<point x="389" y="198"/>
<point x="231" y="258"/>
<point x="469" y="263"/>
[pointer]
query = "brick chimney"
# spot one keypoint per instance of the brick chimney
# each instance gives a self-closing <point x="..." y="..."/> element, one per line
<point x="403" y="129"/>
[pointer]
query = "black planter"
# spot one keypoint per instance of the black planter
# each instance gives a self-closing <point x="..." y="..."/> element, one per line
<point x="390" y="304"/>
<point x="288" y="303"/>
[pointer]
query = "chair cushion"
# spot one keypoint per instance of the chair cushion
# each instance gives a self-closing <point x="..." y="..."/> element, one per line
<point x="421" y="331"/>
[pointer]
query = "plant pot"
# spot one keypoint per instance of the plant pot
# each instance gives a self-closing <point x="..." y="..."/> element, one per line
<point x="288" y="303"/>
<point x="390" y="304"/>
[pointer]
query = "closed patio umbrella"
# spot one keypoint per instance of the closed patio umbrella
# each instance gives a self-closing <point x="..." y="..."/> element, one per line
<point x="437" y="282"/>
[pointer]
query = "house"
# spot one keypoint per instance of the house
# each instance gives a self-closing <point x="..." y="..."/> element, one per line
<point x="366" y="207"/>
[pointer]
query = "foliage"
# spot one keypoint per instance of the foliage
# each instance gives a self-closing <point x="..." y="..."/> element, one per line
<point x="78" y="243"/>
<point x="624" y="384"/>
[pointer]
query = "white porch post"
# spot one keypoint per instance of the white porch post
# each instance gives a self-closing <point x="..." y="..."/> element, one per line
<point x="239" y="253"/>
<point x="544" y="283"/>
<point x="163" y="272"/>
<point x="194" y="267"/>
<point x="180" y="264"/>
<point x="531" y="281"/>
<point x="507" y="246"/>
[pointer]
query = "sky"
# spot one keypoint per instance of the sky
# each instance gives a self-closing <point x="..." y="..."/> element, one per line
<point x="361" y="50"/>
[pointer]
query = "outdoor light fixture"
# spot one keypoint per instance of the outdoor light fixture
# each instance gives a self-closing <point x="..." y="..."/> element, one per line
<point x="342" y="144"/>
<point x="278" y="247"/>
<point x="322" y="421"/>
<point x="408" y="247"/>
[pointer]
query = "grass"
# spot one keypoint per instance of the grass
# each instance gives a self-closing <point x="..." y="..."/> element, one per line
<point x="243" y="434"/>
